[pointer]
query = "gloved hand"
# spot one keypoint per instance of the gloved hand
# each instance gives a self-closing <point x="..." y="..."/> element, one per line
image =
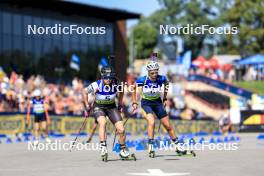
<point x="86" y="114"/>
<point x="120" y="108"/>
<point x="135" y="106"/>
<point x="87" y="109"/>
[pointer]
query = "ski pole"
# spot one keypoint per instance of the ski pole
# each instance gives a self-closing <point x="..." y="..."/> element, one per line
<point x="83" y="124"/>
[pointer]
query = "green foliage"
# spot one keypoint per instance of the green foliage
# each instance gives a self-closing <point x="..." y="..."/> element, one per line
<point x="145" y="39"/>
<point x="248" y="16"/>
<point x="178" y="12"/>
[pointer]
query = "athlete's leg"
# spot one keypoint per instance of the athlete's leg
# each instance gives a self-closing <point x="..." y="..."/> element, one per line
<point x="165" y="121"/>
<point x="102" y="127"/>
<point x="36" y="132"/>
<point x="100" y="116"/>
<point x="102" y="130"/>
<point x="116" y="119"/>
<point x="151" y="125"/>
<point x="44" y="130"/>
<point x="43" y="127"/>
<point x="147" y="113"/>
<point x="121" y="132"/>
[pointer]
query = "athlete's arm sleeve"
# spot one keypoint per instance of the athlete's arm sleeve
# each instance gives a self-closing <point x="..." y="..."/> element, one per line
<point x="140" y="81"/>
<point x="165" y="80"/>
<point x="92" y="88"/>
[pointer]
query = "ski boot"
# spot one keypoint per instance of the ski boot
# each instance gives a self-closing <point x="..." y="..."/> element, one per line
<point x="125" y="155"/>
<point x="104" y="153"/>
<point x="179" y="149"/>
<point x="151" y="151"/>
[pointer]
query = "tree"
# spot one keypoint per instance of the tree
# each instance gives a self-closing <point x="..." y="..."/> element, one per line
<point x="196" y="12"/>
<point x="248" y="16"/>
<point x="145" y="39"/>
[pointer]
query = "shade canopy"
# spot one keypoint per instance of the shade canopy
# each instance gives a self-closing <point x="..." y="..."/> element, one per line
<point x="252" y="60"/>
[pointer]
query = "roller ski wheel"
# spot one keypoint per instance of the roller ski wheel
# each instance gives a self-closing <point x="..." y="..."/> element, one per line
<point x="186" y="154"/>
<point x="181" y="153"/>
<point x="131" y="157"/>
<point x="193" y="153"/>
<point x="152" y="154"/>
<point x="105" y="157"/>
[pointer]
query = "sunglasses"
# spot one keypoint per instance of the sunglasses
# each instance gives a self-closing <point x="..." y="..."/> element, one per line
<point x="153" y="73"/>
<point x="108" y="78"/>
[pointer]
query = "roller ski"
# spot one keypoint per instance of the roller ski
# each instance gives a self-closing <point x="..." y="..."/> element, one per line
<point x="151" y="151"/>
<point x="182" y="152"/>
<point x="190" y="153"/>
<point x="125" y="155"/>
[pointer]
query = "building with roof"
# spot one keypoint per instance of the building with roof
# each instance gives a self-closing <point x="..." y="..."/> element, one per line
<point x="32" y="38"/>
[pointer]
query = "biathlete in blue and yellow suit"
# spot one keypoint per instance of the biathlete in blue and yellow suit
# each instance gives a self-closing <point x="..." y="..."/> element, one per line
<point x="152" y="105"/>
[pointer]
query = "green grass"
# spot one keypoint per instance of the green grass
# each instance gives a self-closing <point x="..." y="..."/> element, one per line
<point x="255" y="86"/>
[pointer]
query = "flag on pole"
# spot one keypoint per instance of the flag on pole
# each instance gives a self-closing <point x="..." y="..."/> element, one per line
<point x="186" y="59"/>
<point x="75" y="62"/>
<point x="103" y="62"/>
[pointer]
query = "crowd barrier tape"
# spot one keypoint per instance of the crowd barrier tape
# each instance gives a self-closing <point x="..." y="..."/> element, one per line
<point x="12" y="124"/>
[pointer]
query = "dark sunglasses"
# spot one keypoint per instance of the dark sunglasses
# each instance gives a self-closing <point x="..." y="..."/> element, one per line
<point x="107" y="78"/>
<point x="153" y="73"/>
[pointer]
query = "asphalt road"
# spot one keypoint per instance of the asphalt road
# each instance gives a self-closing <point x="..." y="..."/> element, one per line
<point x="248" y="159"/>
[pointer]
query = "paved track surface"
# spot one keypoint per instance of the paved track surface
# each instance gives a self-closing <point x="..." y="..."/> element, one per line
<point x="16" y="159"/>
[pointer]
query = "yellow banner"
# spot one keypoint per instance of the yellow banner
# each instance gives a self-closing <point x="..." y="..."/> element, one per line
<point x="12" y="124"/>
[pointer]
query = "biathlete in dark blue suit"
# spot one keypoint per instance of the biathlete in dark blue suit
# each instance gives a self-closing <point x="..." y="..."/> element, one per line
<point x="105" y="92"/>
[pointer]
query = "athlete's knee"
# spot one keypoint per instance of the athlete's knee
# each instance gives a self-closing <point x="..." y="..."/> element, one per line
<point x="151" y="123"/>
<point x="43" y="127"/>
<point x="168" y="127"/>
<point x="121" y="130"/>
<point x="102" y="122"/>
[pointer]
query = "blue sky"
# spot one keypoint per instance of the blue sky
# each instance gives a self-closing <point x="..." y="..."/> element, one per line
<point x="145" y="7"/>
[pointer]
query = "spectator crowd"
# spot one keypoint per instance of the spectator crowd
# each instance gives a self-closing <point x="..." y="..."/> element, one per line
<point x="16" y="91"/>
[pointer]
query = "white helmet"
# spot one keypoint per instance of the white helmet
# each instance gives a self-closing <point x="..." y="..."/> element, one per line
<point x="37" y="93"/>
<point x="152" y="65"/>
